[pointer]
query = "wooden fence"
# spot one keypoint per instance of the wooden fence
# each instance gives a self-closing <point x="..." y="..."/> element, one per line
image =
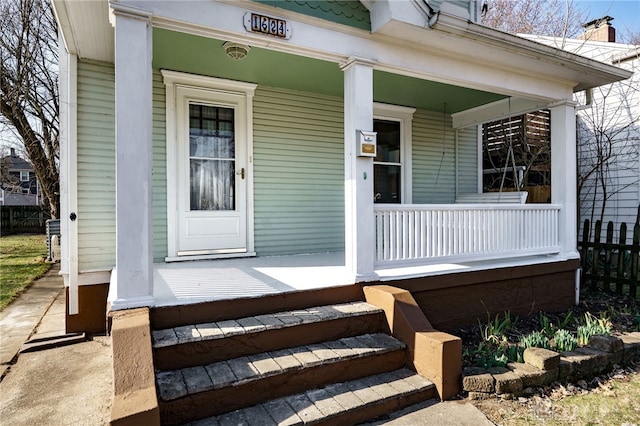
<point x="607" y="263"/>
<point x="23" y="220"/>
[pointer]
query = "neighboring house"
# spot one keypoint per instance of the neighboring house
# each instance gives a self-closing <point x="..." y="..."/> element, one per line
<point x="207" y="146"/>
<point x="19" y="185"/>
<point x="608" y="128"/>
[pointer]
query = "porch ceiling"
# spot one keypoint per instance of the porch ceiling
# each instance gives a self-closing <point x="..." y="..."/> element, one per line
<point x="200" y="55"/>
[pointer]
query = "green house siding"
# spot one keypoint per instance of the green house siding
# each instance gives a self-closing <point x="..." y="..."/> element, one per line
<point x="159" y="169"/>
<point x="298" y="172"/>
<point x="96" y="166"/>
<point x="298" y="161"/>
<point x="346" y="12"/>
<point x="468" y="160"/>
<point x="434" y="159"/>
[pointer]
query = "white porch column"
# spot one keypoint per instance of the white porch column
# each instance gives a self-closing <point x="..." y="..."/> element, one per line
<point x="358" y="171"/>
<point x="132" y="278"/>
<point x="564" y="173"/>
<point x="67" y="80"/>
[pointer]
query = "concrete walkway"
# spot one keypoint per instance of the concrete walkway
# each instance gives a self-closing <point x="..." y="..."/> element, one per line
<point x="58" y="386"/>
<point x="19" y="320"/>
<point x="72" y="385"/>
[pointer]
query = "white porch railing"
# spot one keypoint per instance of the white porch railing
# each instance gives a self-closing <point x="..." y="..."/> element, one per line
<point x="429" y="233"/>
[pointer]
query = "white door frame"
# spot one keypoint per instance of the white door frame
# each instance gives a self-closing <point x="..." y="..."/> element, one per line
<point x="173" y="80"/>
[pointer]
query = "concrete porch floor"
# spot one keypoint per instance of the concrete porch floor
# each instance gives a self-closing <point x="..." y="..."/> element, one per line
<point x="188" y="282"/>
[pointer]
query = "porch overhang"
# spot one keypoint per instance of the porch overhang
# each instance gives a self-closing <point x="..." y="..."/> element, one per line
<point x="87" y="33"/>
<point x="481" y="44"/>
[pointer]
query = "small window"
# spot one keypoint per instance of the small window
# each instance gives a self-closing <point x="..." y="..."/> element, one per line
<point x="387" y="165"/>
<point x="24" y="176"/>
<point x="392" y="165"/>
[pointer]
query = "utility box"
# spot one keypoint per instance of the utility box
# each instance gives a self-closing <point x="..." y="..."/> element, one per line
<point x="53" y="238"/>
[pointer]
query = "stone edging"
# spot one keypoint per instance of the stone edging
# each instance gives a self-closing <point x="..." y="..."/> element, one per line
<point x="543" y="366"/>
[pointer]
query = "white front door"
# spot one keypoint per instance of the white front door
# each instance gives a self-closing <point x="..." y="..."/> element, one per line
<point x="212" y="172"/>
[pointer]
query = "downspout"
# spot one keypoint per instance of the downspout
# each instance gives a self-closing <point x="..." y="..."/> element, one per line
<point x="588" y="100"/>
<point x="587" y="104"/>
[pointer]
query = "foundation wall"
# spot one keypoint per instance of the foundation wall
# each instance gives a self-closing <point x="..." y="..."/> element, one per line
<point x="92" y="316"/>
<point x="455" y="300"/>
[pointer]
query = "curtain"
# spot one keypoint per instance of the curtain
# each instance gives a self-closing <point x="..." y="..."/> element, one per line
<point x="212" y="164"/>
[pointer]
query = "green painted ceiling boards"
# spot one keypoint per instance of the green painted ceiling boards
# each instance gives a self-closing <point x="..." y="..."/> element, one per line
<point x="205" y="56"/>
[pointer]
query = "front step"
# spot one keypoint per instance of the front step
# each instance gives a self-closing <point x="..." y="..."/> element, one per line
<point x="228" y="385"/>
<point x="201" y="344"/>
<point x="335" y="404"/>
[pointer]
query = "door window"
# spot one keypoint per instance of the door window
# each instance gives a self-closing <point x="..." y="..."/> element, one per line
<point x="211" y="157"/>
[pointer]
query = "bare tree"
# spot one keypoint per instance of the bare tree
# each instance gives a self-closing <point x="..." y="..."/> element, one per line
<point x="609" y="143"/>
<point x="29" y="87"/>
<point x="558" y="18"/>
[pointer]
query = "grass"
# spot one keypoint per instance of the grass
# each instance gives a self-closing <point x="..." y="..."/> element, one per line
<point x="22" y="260"/>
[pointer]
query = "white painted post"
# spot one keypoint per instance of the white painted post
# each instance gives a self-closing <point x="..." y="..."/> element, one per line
<point x="358" y="171"/>
<point x="563" y="174"/>
<point x="132" y="278"/>
<point x="67" y="78"/>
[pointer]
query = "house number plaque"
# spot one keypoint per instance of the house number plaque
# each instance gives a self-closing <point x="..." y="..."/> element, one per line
<point x="262" y="24"/>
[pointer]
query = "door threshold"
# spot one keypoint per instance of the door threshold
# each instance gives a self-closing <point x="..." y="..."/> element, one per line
<point x="187" y="258"/>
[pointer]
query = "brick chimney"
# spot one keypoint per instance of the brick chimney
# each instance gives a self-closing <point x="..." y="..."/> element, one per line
<point x="599" y="30"/>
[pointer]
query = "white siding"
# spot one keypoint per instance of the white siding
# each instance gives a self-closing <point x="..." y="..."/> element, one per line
<point x="614" y="115"/>
<point x="298" y="172"/>
<point x="96" y="166"/>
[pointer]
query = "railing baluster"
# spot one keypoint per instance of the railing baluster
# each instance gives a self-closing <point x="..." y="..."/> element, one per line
<point x="439" y="232"/>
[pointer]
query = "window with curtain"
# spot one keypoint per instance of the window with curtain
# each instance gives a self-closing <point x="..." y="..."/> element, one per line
<point x="211" y="157"/>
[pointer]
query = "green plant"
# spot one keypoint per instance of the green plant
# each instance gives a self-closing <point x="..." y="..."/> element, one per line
<point x="537" y="339"/>
<point x="493" y="331"/>
<point x="593" y="326"/>
<point x="549" y="328"/>
<point x="492" y="359"/>
<point x="564" y="341"/>
<point x="515" y="353"/>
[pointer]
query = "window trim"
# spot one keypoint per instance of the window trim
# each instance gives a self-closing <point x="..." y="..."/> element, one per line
<point x="28" y="176"/>
<point x="403" y="115"/>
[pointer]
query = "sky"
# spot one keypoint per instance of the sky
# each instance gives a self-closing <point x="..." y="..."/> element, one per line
<point x="626" y="13"/>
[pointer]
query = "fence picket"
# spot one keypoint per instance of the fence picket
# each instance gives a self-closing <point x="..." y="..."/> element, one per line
<point x="620" y="270"/>
<point x="597" y="258"/>
<point x="607" y="257"/>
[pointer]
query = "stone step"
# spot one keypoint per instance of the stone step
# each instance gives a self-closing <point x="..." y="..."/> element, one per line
<point x="200" y="344"/>
<point x="227" y="385"/>
<point x="342" y="403"/>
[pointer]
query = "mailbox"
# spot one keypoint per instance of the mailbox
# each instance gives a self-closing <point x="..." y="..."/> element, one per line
<point x="366" y="143"/>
